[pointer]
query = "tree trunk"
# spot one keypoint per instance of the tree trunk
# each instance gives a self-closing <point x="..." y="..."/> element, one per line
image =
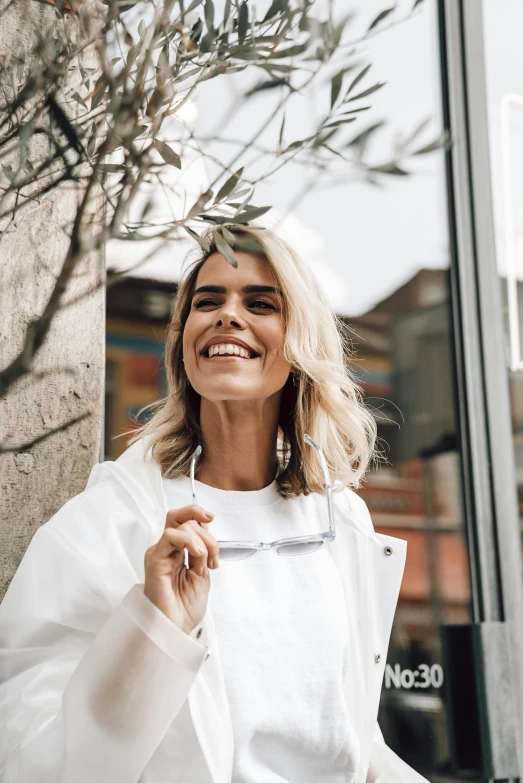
<point x="35" y="482"/>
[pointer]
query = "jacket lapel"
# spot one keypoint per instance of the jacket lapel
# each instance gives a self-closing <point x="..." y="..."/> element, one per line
<point x="387" y="558"/>
<point x="371" y="567"/>
<point x="350" y="553"/>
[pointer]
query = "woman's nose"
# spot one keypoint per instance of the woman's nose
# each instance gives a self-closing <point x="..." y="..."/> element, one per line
<point x="228" y="320"/>
<point x="229" y="316"/>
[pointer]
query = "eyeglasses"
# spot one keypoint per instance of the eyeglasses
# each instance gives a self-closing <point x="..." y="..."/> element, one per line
<point x="299" y="545"/>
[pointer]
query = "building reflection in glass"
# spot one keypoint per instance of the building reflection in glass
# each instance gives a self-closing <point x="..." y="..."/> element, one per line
<point x="402" y="358"/>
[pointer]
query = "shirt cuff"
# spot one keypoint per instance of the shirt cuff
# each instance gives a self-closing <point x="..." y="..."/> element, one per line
<point x="189" y="650"/>
<point x="199" y="634"/>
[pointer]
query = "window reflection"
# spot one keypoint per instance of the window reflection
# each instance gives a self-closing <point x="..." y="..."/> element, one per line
<point x="404" y="365"/>
<point x="504" y="78"/>
<point x="404" y="362"/>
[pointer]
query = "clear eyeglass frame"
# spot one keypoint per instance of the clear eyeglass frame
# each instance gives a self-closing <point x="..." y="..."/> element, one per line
<point x="298" y="545"/>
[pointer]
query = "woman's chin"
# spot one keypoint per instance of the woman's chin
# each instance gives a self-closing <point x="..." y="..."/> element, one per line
<point x="230" y="389"/>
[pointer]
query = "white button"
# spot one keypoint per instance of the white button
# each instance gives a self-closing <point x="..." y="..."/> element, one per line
<point x="387" y="550"/>
<point x="199" y="633"/>
<point x="377" y="657"/>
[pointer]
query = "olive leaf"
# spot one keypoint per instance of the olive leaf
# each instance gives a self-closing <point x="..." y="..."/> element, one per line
<point x="390" y="168"/>
<point x="269" y="85"/>
<point x="336" y="83"/>
<point x="442" y="142"/>
<point x="358" y="79"/>
<point x="229" y="186"/>
<point x="243" y="21"/>
<point x="204" y="244"/>
<point x="225" y="249"/>
<point x="380" y="17"/>
<point x="168" y="154"/>
<point x="251" y="213"/>
<point x="369" y="91"/>
<point x="276" y="7"/>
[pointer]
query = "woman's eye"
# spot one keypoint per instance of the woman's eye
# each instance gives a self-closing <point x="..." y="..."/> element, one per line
<point x="258" y="302"/>
<point x="203" y="302"/>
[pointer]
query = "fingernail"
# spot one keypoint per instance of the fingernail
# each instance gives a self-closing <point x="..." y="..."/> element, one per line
<point x="209" y="515"/>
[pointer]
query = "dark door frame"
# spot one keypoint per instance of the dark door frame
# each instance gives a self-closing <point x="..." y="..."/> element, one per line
<point x="484" y="421"/>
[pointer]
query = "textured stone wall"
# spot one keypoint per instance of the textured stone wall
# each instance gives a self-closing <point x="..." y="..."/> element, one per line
<point x="69" y="368"/>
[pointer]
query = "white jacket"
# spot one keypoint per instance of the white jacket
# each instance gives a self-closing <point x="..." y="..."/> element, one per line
<point x="75" y="612"/>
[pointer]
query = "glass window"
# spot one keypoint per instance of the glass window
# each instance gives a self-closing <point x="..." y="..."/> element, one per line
<point x="504" y="75"/>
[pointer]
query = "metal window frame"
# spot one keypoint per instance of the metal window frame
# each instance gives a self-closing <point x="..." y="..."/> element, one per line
<point x="482" y="393"/>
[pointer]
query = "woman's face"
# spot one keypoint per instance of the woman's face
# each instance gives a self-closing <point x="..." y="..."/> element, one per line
<point x="235" y="307"/>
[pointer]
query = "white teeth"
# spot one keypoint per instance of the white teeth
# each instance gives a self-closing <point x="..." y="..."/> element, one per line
<point x="230" y="349"/>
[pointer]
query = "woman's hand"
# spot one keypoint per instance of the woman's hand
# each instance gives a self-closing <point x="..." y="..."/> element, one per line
<point x="181" y="593"/>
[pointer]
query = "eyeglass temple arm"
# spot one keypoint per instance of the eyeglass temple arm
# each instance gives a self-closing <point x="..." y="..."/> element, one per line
<point x="193" y="462"/>
<point x="311" y="442"/>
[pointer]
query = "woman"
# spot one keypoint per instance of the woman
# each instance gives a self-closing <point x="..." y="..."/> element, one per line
<point x="145" y="636"/>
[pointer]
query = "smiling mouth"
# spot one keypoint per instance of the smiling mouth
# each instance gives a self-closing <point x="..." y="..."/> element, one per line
<point x="228" y="357"/>
<point x="232" y="351"/>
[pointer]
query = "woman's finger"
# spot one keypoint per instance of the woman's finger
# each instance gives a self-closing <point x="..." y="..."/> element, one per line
<point x="178" y="516"/>
<point x="211" y="543"/>
<point x="179" y="540"/>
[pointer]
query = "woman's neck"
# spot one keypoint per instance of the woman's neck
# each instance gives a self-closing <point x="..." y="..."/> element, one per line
<point x="239" y="444"/>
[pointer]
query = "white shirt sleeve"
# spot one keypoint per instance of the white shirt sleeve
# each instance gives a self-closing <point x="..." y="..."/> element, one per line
<point x="126" y="691"/>
<point x="91" y="672"/>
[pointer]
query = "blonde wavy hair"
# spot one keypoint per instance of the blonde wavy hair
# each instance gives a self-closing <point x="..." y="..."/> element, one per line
<point x="325" y="400"/>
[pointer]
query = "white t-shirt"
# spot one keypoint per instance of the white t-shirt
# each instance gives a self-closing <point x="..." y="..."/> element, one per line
<point x="282" y="635"/>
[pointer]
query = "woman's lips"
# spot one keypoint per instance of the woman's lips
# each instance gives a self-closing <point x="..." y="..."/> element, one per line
<point x="228" y="357"/>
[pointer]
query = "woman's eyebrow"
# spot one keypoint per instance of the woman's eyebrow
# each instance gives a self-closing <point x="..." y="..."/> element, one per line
<point x="247" y="289"/>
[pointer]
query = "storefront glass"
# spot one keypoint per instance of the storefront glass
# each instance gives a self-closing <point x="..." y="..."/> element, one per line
<point x="397" y="269"/>
<point x="503" y="23"/>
